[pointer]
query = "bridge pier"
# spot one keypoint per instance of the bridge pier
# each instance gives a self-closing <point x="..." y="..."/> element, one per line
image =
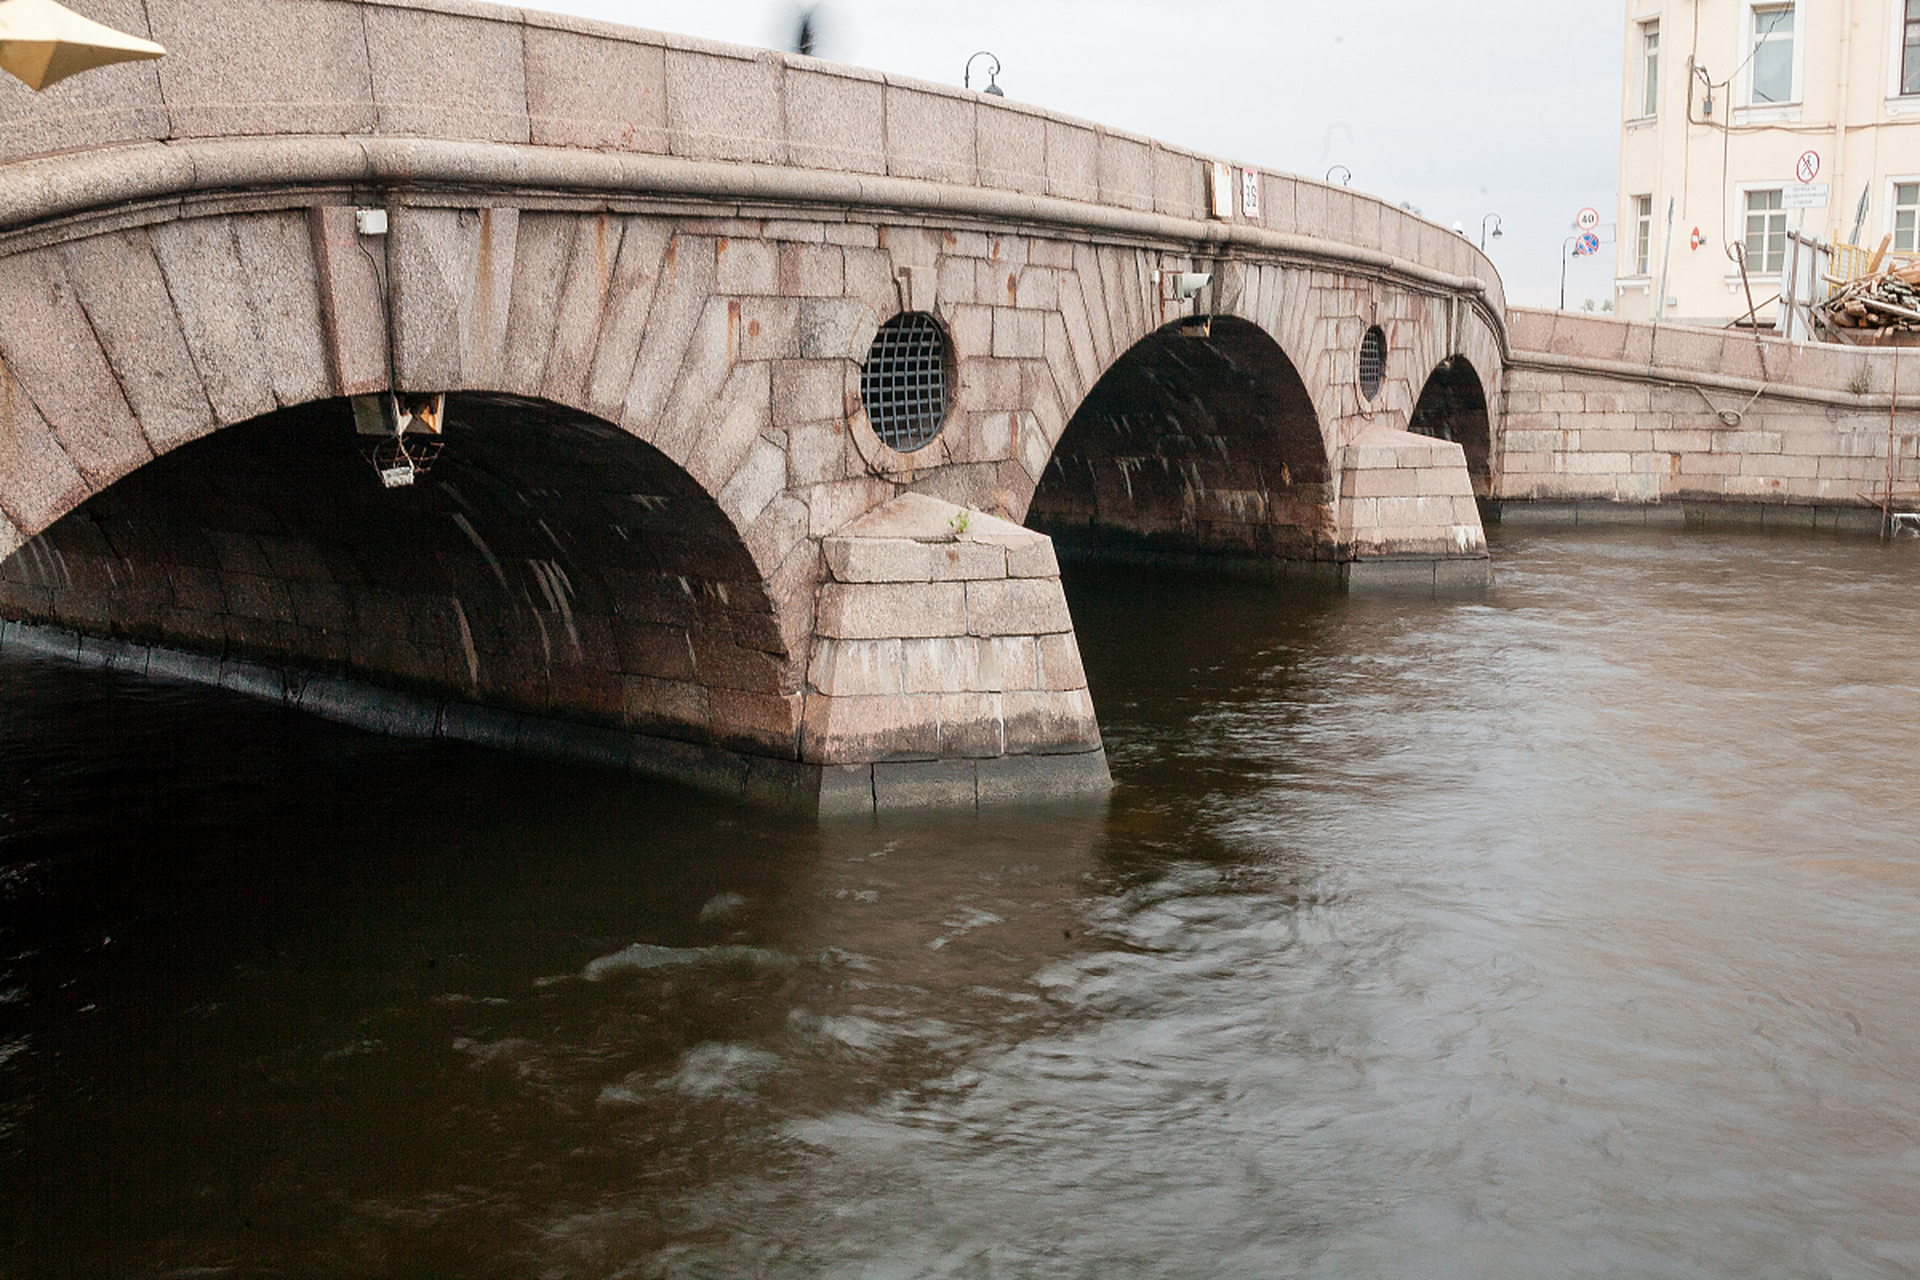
<point x="944" y="667"/>
<point x="1407" y="515"/>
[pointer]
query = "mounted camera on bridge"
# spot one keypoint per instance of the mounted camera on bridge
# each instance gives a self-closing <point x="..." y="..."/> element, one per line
<point x="390" y="419"/>
<point x="1182" y="286"/>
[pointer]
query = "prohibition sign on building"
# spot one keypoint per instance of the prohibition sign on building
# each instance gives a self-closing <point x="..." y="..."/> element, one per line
<point x="1807" y="167"/>
<point x="1587" y="219"/>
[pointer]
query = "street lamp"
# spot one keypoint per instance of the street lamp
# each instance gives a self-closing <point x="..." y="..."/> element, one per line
<point x="1347" y="178"/>
<point x="1495" y="219"/>
<point x="42" y="43"/>
<point x="966" y="76"/>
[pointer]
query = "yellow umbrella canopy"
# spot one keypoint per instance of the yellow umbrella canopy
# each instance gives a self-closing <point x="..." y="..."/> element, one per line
<point x="42" y="42"/>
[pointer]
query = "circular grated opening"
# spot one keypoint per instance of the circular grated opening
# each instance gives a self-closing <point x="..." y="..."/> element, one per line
<point x="903" y="384"/>
<point x="1373" y="361"/>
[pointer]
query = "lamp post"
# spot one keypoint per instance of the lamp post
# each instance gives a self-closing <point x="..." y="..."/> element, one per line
<point x="42" y="43"/>
<point x="1345" y="181"/>
<point x="1495" y="219"/>
<point x="966" y="76"/>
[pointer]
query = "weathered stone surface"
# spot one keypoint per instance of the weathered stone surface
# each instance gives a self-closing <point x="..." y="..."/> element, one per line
<point x="584" y="91"/>
<point x="629" y="302"/>
<point x="579" y="305"/>
<point x="353" y="312"/>
<point x="842" y="668"/>
<point x="834" y="119"/>
<point x="1015" y="779"/>
<point x="929" y="135"/>
<point x="857" y="559"/>
<point x="849" y="730"/>
<point x="931" y="784"/>
<point x="972" y="724"/>
<point x="1059" y="658"/>
<point x="131" y="313"/>
<point x="885" y="609"/>
<point x="264" y="66"/>
<point x="446" y="76"/>
<point x="1013" y="150"/>
<point x="108" y="105"/>
<point x="724" y="106"/>
<point x="208" y="287"/>
<point x="55" y="361"/>
<point x="1017" y="606"/>
<point x="1047" y="723"/>
<point x="276" y="253"/>
<point x="685" y="287"/>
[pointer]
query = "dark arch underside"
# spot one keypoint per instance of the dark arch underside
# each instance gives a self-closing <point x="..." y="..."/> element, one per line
<point x="1453" y="406"/>
<point x="1192" y="445"/>
<point x="547" y="562"/>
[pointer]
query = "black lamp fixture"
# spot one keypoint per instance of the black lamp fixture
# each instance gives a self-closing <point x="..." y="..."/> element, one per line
<point x="966" y="76"/>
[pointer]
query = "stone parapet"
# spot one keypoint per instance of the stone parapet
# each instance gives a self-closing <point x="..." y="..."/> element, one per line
<point x="502" y="76"/>
<point x="943" y="654"/>
<point x="1600" y="411"/>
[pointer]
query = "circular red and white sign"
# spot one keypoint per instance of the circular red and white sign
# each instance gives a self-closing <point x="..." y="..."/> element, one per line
<point x="1807" y="168"/>
<point x="1587" y="219"/>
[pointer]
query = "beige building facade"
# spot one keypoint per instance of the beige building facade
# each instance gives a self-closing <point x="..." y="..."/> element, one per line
<point x="1746" y="120"/>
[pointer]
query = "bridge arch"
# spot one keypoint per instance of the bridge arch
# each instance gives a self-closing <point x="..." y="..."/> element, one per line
<point x="545" y="563"/>
<point x="1453" y="406"/>
<point x="1199" y="439"/>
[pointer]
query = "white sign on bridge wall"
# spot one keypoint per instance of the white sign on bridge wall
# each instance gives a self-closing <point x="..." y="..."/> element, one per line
<point x="1250" y="192"/>
<point x="1220" y="191"/>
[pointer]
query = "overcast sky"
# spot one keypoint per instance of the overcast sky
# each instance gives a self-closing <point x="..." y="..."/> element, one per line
<point x="1506" y="106"/>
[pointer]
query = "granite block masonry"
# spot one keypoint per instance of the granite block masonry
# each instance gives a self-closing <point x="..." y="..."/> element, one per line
<point x="943" y="663"/>
<point x="1407" y="512"/>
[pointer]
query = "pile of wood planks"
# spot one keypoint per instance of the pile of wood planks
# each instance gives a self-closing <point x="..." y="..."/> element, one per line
<point x="1886" y="298"/>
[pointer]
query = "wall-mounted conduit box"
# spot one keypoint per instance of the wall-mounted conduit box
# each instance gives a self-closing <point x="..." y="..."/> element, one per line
<point x="370" y="222"/>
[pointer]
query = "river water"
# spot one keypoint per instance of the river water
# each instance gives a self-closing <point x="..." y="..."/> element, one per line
<point x="1571" y="928"/>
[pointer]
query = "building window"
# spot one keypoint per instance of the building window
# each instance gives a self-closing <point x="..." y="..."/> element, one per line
<point x="1642" y="234"/>
<point x="1906" y="214"/>
<point x="1772" y="56"/>
<point x="1650" y="66"/>
<point x="1910" y="50"/>
<point x="1766" y="232"/>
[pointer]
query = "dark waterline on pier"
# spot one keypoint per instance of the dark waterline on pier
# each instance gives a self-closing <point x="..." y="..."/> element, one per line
<point x="1569" y="928"/>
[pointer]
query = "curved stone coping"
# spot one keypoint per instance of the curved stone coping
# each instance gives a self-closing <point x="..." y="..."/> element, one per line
<point x="1679" y="376"/>
<point x="40" y="190"/>
<point x="452" y="69"/>
<point x="1691" y="356"/>
<point x="826" y="790"/>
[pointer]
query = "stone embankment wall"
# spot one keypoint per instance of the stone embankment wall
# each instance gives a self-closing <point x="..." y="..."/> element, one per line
<point x="1607" y="420"/>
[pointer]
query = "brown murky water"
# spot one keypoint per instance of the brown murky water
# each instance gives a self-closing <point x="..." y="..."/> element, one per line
<point x="1571" y="929"/>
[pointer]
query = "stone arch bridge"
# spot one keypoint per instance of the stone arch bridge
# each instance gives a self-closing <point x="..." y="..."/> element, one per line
<point x="660" y="527"/>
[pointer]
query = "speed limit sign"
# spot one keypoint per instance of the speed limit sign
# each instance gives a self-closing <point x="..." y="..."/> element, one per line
<point x="1587" y="219"/>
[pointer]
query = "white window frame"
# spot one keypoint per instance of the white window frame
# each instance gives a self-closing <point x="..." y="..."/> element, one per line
<point x="1898" y="103"/>
<point x="1751" y="112"/>
<point x="1644" y="27"/>
<point x="1890" y="215"/>
<point x="1741" y="191"/>
<point x="1642" y="231"/>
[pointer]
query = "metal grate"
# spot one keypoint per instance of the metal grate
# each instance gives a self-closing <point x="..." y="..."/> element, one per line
<point x="904" y="381"/>
<point x="1373" y="362"/>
